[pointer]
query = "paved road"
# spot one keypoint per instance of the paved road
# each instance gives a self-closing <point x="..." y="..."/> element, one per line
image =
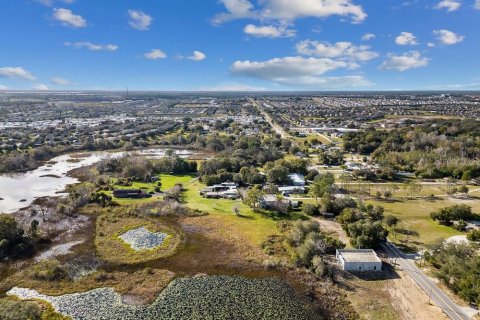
<point x="267" y="118"/>
<point x="438" y="296"/>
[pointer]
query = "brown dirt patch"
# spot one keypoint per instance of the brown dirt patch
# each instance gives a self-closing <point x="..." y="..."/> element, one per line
<point x="411" y="301"/>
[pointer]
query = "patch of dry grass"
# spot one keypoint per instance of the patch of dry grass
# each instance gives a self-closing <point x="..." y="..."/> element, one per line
<point x="145" y="284"/>
<point x="113" y="249"/>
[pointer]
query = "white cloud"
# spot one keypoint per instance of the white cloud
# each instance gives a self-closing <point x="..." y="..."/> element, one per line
<point x="406" y="39"/>
<point x="405" y="61"/>
<point x="139" y="20"/>
<point x="197" y="56"/>
<point x="342" y="50"/>
<point x="450" y="5"/>
<point x="60" y="81"/>
<point x="299" y="71"/>
<point x="92" y="46"/>
<point x="155" y="54"/>
<point x="16" y="72"/>
<point x="477" y="4"/>
<point x="2" y="87"/>
<point x="68" y="18"/>
<point x="269" y="31"/>
<point x="368" y="37"/>
<point x="448" y="37"/>
<point x="287" y="67"/>
<point x="290" y="10"/>
<point x="237" y="9"/>
<point x="40" y="87"/>
<point x="50" y="3"/>
<point x="431" y="45"/>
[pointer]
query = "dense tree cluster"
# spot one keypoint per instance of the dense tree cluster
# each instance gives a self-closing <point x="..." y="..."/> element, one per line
<point x="323" y="185"/>
<point x="448" y="215"/>
<point x="457" y="265"/>
<point x="310" y="244"/>
<point x="137" y="168"/>
<point x="331" y="158"/>
<point x="434" y="149"/>
<point x="238" y="164"/>
<point x="364" y="226"/>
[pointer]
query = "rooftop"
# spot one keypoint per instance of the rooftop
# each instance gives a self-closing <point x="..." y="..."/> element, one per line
<point x="296" y="177"/>
<point x="358" y="255"/>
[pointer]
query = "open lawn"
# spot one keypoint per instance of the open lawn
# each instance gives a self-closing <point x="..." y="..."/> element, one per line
<point x="436" y="189"/>
<point x="415" y="213"/>
<point x="169" y="181"/>
<point x="252" y="226"/>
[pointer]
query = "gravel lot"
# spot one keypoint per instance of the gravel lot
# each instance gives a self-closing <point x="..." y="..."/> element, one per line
<point x="57" y="250"/>
<point x="142" y="239"/>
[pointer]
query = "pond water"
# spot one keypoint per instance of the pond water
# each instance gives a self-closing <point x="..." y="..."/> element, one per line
<point x="21" y="189"/>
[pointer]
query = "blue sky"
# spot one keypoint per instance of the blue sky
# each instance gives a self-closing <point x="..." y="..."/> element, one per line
<point x="240" y="44"/>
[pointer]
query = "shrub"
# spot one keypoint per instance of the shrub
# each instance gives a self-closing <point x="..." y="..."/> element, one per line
<point x="319" y="267"/>
<point x="300" y="229"/>
<point x="12" y="309"/>
<point x="390" y="221"/>
<point x="49" y="270"/>
<point x="13" y="241"/>
<point x="311" y="209"/>
<point x="473" y="235"/>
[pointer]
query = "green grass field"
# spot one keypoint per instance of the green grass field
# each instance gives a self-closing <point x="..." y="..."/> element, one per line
<point x="254" y="226"/>
<point x="415" y="214"/>
<point x="169" y="181"/>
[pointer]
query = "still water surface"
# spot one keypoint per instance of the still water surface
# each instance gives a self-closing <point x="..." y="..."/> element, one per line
<point x="20" y="190"/>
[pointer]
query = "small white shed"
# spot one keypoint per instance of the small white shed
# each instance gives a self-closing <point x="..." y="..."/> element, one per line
<point x="359" y="260"/>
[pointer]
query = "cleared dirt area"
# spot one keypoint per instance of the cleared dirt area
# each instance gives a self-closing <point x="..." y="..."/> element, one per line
<point x="410" y="301"/>
<point x="333" y="226"/>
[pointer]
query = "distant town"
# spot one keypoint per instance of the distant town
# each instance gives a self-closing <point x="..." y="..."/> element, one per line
<point x="352" y="205"/>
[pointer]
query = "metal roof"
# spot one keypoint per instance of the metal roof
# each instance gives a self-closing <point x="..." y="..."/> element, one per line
<point x="359" y="255"/>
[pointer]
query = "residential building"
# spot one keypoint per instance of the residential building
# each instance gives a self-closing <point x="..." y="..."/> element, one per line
<point x="297" y="179"/>
<point x="129" y="193"/>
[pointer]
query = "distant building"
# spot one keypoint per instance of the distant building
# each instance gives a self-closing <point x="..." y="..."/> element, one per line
<point x="359" y="260"/>
<point x="129" y="193"/>
<point x="226" y="190"/>
<point x="268" y="201"/>
<point x="350" y="166"/>
<point x="297" y="179"/>
<point x="291" y="190"/>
